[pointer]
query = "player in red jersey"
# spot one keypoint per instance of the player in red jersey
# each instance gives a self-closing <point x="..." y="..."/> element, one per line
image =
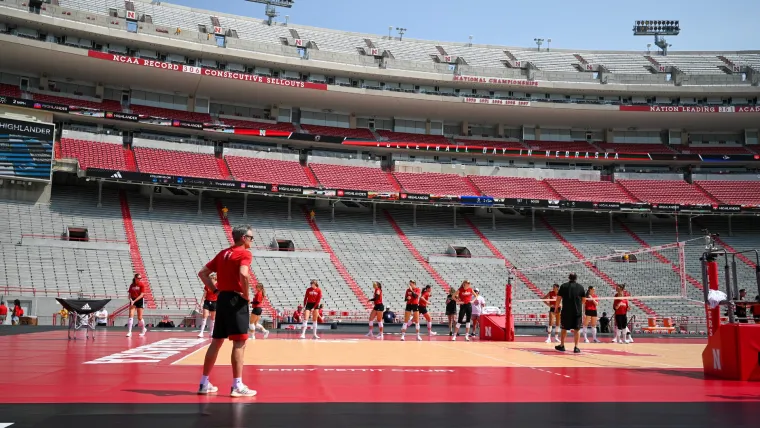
<point x="549" y="299"/>
<point x="257" y="304"/>
<point x="136" y="303"/>
<point x="589" y="323"/>
<point x="377" y="309"/>
<point x="464" y="296"/>
<point x="209" y="307"/>
<point x="411" y="312"/>
<point x="424" y="302"/>
<point x="233" y="269"/>
<point x="311" y="307"/>
<point x="620" y="305"/>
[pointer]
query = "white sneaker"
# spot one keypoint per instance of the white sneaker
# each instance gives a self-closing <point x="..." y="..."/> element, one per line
<point x="266" y="334"/>
<point x="453" y="338"/>
<point x="129" y="334"/>
<point x="316" y="337"/>
<point x="303" y="336"/>
<point x="402" y="338"/>
<point x="466" y="338"/>
<point x="556" y="339"/>
<point x="630" y="340"/>
<point x="597" y="341"/>
<point x="419" y="338"/>
<point x="144" y="330"/>
<point x="369" y="334"/>
<point x="242" y="391"/>
<point x="252" y="335"/>
<point x="548" y="340"/>
<point x="615" y="340"/>
<point x="379" y="336"/>
<point x="585" y="339"/>
<point x="432" y="333"/>
<point x="200" y="335"/>
<point x="207" y="389"/>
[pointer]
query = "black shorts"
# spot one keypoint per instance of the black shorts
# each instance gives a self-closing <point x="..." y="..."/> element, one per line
<point x="231" y="317"/>
<point x="423" y="310"/>
<point x="412" y="308"/>
<point x="621" y="321"/>
<point x="139" y="303"/>
<point x="209" y="305"/>
<point x="256" y="311"/>
<point x="451" y="310"/>
<point x="465" y="313"/>
<point x="590" y="313"/>
<point x="379" y="307"/>
<point x="570" y="321"/>
<point x="310" y="307"/>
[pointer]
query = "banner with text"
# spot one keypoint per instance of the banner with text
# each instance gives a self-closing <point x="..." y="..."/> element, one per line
<point x="494" y="80"/>
<point x="692" y="109"/>
<point x="26" y="149"/>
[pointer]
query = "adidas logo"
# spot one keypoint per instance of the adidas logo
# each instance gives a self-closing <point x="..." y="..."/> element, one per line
<point x="86" y="307"/>
<point x="117" y="175"/>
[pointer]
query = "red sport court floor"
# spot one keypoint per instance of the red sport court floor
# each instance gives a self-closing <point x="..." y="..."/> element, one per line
<point x="348" y="380"/>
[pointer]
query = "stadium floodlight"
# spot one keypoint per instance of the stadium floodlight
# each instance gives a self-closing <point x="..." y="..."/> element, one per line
<point x="271" y="6"/>
<point x="401" y="32"/>
<point x="658" y="29"/>
<point x="539" y="42"/>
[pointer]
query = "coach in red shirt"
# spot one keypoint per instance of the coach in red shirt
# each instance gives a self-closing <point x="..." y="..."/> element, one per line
<point x="233" y="273"/>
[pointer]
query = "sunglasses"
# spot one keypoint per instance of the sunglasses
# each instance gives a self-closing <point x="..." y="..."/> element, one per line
<point x="249" y="237"/>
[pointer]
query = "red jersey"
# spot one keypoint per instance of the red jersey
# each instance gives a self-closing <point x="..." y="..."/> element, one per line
<point x="227" y="265"/>
<point x="210" y="295"/>
<point x="591" y="303"/>
<point x="3" y="310"/>
<point x="18" y="311"/>
<point x="136" y="289"/>
<point x="378" y="297"/>
<point x="297" y="316"/>
<point x="412" y="297"/>
<point x="313" y="295"/>
<point x="258" y="299"/>
<point x="426" y="297"/>
<point x="465" y="295"/>
<point x="623" y="308"/>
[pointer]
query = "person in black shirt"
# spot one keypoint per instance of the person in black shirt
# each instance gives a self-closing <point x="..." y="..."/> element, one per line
<point x="451" y="310"/>
<point x="741" y="307"/>
<point x="604" y="323"/>
<point x="571" y="297"/>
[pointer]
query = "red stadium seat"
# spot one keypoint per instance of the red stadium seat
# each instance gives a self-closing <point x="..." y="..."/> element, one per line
<point x="666" y="192"/>
<point x="170" y="162"/>
<point x="268" y="171"/>
<point x="733" y="192"/>
<point x="91" y="154"/>
<point x="352" y="177"/>
<point x="514" y="187"/>
<point x="594" y="191"/>
<point x="9" y="91"/>
<point x="434" y="183"/>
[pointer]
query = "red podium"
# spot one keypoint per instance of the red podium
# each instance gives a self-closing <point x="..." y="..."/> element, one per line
<point x="492" y="327"/>
<point x="733" y="353"/>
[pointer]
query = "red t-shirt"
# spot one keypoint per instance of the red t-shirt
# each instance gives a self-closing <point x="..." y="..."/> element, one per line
<point x="258" y="299"/>
<point x="136" y="289"/>
<point x="210" y="295"/>
<point x="412" y="297"/>
<point x="378" y="298"/>
<point x="623" y="308"/>
<point x="313" y="295"/>
<point x="3" y="310"/>
<point x="18" y="311"/>
<point x="297" y="316"/>
<point x="227" y="264"/>
<point x="426" y="297"/>
<point x="465" y="295"/>
<point x="591" y="303"/>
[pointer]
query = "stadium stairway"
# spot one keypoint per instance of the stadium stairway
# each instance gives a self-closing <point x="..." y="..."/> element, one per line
<point x="225" y="170"/>
<point x="393" y="181"/>
<point x="495" y="251"/>
<point x="690" y="279"/>
<point x="310" y="175"/>
<point x="475" y="190"/>
<point x="130" y="160"/>
<point x="228" y="232"/>
<point x="335" y="261"/>
<point x="626" y="191"/>
<point x="134" y="251"/>
<point x="589" y="265"/>
<point x="416" y="254"/>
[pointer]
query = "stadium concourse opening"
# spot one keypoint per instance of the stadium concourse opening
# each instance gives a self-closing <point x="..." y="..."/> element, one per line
<point x="352" y="381"/>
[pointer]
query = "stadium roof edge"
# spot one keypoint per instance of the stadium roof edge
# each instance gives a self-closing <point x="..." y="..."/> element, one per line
<point x="432" y="42"/>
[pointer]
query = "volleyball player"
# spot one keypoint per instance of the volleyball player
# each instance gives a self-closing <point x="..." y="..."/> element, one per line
<point x="233" y="267"/>
<point x="136" y="304"/>
<point x="549" y="299"/>
<point x="377" y="310"/>
<point x="310" y="307"/>
<point x="256" y="308"/>
<point x="620" y="305"/>
<point x="589" y="323"/>
<point x="464" y="296"/>
<point x="209" y="306"/>
<point x="411" y="312"/>
<point x="451" y="310"/>
<point x="424" y="302"/>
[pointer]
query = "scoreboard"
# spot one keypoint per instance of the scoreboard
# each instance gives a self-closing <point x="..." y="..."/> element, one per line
<point x="26" y="149"/>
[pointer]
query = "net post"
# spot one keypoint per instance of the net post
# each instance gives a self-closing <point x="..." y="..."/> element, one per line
<point x="713" y="314"/>
<point x="509" y="321"/>
<point x="682" y="269"/>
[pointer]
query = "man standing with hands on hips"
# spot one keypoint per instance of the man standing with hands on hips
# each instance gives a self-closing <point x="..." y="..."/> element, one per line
<point x="571" y="297"/>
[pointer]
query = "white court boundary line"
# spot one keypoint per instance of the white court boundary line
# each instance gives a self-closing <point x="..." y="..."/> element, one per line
<point x="500" y="359"/>
<point x="202" y="347"/>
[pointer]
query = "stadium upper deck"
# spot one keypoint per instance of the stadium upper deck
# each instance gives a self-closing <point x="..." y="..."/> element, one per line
<point x="499" y="65"/>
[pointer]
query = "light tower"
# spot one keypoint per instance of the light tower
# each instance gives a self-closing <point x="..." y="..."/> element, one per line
<point x="271" y="7"/>
<point x="658" y="29"/>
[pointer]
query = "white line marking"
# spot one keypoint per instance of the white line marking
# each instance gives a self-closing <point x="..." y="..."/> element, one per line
<point x="204" y="346"/>
<point x="5" y="424"/>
